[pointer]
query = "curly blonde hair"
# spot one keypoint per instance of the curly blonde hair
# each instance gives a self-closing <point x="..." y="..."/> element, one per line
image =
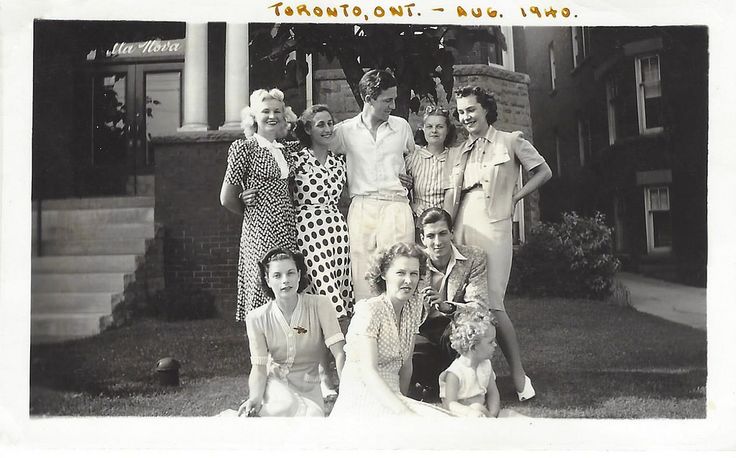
<point x="247" y="114"/>
<point x="383" y="259"/>
<point x="468" y="327"/>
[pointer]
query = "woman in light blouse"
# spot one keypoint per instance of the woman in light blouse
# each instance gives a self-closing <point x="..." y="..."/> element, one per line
<point x="481" y="178"/>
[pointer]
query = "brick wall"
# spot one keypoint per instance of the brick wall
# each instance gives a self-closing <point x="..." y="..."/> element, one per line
<point x="200" y="237"/>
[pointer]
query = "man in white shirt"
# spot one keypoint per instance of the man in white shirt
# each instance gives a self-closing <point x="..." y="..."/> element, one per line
<point x="375" y="143"/>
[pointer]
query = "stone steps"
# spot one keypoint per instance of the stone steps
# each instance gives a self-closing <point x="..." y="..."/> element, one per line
<point x="80" y="264"/>
<point x="78" y="282"/>
<point x="56" y="327"/>
<point x="92" y="249"/>
<point x="59" y="302"/>
<point x="111" y="231"/>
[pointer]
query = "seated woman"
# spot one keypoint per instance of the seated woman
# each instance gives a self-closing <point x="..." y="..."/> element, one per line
<point x="287" y="338"/>
<point x="380" y="339"/>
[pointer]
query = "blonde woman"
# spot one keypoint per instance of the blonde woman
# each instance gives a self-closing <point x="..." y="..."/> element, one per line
<point x="256" y="188"/>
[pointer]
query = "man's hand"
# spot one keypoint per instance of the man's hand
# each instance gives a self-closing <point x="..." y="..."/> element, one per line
<point x="431" y="297"/>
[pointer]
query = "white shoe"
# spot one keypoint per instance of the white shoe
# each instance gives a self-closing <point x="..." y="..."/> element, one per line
<point x="528" y="391"/>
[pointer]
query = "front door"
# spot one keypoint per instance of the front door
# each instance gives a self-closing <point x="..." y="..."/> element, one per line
<point x="130" y="104"/>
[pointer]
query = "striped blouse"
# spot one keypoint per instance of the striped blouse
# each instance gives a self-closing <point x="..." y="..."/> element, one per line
<point x="426" y="169"/>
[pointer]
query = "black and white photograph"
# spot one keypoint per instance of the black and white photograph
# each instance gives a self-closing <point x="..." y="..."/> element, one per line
<point x="508" y="224"/>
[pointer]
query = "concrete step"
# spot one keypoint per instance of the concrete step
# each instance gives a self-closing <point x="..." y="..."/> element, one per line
<point x="108" y="231"/>
<point x="78" y="264"/>
<point x="65" y="303"/>
<point x="91" y="247"/>
<point x="55" y="327"/>
<point x="80" y="219"/>
<point x="96" y="203"/>
<point x="78" y="283"/>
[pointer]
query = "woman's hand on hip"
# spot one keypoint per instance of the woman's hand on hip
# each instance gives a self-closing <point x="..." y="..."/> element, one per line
<point x="248" y="197"/>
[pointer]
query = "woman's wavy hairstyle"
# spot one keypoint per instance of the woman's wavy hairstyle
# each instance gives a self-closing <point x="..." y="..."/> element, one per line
<point x="383" y="259"/>
<point x="247" y="114"/>
<point x="432" y="110"/>
<point x="305" y="122"/>
<point x="486" y="99"/>
<point x="468" y="327"/>
<point x="279" y="254"/>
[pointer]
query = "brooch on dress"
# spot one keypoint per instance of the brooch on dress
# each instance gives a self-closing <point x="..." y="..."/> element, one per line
<point x="300" y="330"/>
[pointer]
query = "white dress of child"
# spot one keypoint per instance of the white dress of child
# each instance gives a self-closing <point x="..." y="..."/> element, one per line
<point x="473" y="382"/>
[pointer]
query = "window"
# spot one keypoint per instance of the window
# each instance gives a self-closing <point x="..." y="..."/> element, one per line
<point x="658" y="219"/>
<point x="579" y="45"/>
<point x="611" y="102"/>
<point x="584" y="141"/>
<point x="552" y="67"/>
<point x="648" y="94"/>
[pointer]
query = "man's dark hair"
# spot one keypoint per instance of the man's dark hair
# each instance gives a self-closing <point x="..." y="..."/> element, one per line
<point x="374" y="82"/>
<point x="433" y="215"/>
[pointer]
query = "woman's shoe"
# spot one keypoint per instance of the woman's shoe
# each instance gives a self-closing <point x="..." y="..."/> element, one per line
<point x="528" y="391"/>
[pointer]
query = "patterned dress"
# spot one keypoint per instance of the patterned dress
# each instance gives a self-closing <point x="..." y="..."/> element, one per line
<point x="270" y="223"/>
<point x="322" y="234"/>
<point x="375" y="318"/>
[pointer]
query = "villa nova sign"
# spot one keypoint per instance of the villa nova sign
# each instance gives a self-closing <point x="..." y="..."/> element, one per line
<point x="141" y="49"/>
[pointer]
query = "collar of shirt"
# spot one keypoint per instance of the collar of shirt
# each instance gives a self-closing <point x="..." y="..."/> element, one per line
<point x="263" y="143"/>
<point x="489" y="137"/>
<point x="391" y="122"/>
<point x="426" y="154"/>
<point x="456" y="256"/>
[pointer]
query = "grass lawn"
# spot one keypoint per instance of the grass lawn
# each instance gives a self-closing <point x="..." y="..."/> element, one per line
<point x="587" y="359"/>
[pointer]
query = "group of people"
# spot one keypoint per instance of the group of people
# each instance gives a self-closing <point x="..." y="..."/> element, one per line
<point x="422" y="259"/>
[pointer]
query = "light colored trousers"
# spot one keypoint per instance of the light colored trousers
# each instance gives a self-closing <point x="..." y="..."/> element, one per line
<point x="375" y="223"/>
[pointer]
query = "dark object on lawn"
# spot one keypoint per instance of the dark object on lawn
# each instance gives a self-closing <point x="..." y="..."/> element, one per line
<point x="167" y="371"/>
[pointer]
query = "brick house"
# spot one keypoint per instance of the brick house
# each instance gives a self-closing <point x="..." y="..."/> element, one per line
<point x="621" y="114"/>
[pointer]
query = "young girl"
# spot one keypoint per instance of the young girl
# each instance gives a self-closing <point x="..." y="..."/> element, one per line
<point x="468" y="386"/>
<point x="425" y="164"/>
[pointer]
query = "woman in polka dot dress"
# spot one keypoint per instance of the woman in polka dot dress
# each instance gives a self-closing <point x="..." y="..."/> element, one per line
<point x="322" y="234"/>
<point x="256" y="187"/>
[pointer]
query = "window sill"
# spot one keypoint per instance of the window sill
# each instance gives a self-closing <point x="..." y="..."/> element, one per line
<point x="634" y="138"/>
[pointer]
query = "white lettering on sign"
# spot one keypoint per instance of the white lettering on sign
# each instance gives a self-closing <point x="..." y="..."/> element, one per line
<point x="150" y="47"/>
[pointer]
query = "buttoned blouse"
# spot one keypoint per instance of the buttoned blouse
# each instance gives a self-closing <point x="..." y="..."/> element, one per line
<point x="374" y="165"/>
<point x="427" y="169"/>
<point x="294" y="348"/>
<point x="493" y="162"/>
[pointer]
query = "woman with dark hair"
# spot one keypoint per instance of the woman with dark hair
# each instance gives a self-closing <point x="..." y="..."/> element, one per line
<point x="481" y="178"/>
<point x="322" y="234"/>
<point x="425" y="164"/>
<point x="287" y="338"/>
<point x="380" y="340"/>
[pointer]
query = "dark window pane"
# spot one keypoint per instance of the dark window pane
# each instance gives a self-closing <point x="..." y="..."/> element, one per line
<point x="662" y="229"/>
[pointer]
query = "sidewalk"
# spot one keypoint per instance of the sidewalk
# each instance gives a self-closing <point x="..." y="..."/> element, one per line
<point x="671" y="301"/>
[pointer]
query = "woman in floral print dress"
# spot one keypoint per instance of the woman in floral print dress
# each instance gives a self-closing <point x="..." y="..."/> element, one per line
<point x="256" y="188"/>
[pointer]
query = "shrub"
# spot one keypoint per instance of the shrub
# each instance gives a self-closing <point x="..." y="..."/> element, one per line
<point x="573" y="258"/>
<point x="174" y="304"/>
